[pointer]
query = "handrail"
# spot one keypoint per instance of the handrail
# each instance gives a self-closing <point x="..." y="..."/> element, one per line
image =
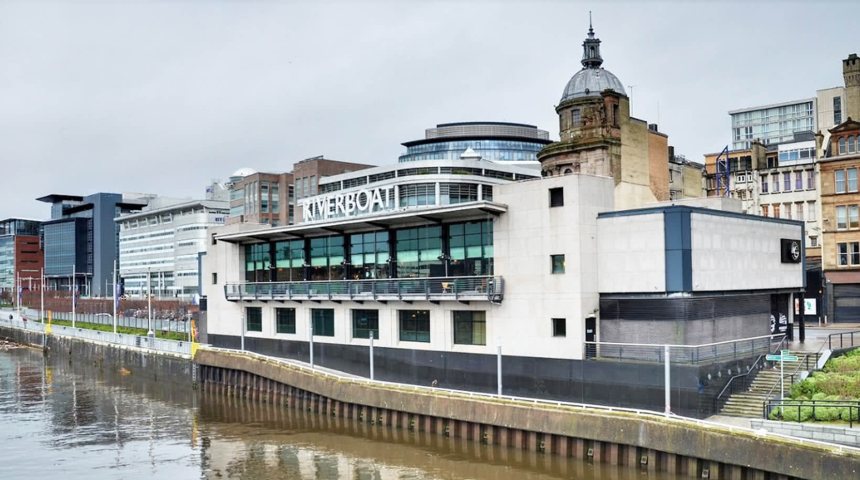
<point x="725" y="342"/>
<point x="717" y="405"/>
<point x="730" y="383"/>
<point x="841" y="345"/>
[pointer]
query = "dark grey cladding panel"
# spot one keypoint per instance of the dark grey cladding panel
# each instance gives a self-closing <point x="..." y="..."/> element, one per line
<point x="679" y="258"/>
<point x="685" y="308"/>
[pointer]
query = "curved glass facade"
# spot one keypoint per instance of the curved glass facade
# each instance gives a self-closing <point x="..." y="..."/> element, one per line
<point x="493" y="150"/>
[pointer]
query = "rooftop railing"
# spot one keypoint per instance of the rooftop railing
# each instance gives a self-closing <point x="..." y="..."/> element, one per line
<point x="463" y="289"/>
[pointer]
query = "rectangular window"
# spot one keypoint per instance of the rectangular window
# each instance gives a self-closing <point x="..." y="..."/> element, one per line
<point x="798" y="180"/>
<point x="813" y="241"/>
<point x="841" y="217"/>
<point x="285" y="320"/>
<point x="839" y="177"/>
<point x="556" y="197"/>
<point x="776" y="210"/>
<point x="853" y="218"/>
<point x="764" y="184"/>
<point x="811" y="212"/>
<point x="810" y="179"/>
<point x="470" y="328"/>
<point x="852" y="180"/>
<point x="253" y="319"/>
<point x="799" y="207"/>
<point x="842" y="255"/>
<point x="214" y="278"/>
<point x="837" y="110"/>
<point x="414" y="325"/>
<point x="775" y="183"/>
<point x="323" y="322"/>
<point x="559" y="327"/>
<point x="765" y="210"/>
<point x="786" y="181"/>
<point x="854" y="248"/>
<point x="365" y="322"/>
<point x="575" y="117"/>
<point x="557" y="263"/>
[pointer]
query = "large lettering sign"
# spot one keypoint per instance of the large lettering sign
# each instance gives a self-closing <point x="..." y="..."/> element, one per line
<point x="349" y="204"/>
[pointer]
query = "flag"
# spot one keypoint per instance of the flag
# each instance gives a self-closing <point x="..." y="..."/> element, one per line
<point x="116" y="295"/>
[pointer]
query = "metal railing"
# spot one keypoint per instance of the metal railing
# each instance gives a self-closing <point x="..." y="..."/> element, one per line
<point x="683" y="354"/>
<point x="139" y="341"/>
<point x="853" y="340"/>
<point x="852" y="412"/>
<point x="157" y="324"/>
<point x="343" y="378"/>
<point x="486" y="288"/>
<point x="743" y="381"/>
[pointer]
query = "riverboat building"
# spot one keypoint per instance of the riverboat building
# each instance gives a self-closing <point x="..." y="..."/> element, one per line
<point x="446" y="264"/>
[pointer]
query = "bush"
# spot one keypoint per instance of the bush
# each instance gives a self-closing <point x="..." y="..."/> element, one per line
<point x="791" y="413"/>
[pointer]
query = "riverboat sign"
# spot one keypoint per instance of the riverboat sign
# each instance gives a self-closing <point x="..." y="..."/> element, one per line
<point x="348" y="204"/>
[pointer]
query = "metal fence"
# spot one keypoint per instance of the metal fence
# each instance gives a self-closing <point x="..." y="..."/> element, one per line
<point x="843" y="340"/>
<point x="813" y="410"/>
<point x="157" y="324"/>
<point x="138" y="341"/>
<point x="683" y="354"/>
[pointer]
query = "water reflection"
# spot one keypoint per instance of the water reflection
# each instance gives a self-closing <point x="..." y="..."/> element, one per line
<point x="92" y="421"/>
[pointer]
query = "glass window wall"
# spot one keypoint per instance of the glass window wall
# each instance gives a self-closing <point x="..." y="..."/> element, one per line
<point x="419" y="252"/>
<point x="414" y="325"/>
<point x="327" y="258"/>
<point x="290" y="260"/>
<point x="369" y="255"/>
<point x="257" y="262"/>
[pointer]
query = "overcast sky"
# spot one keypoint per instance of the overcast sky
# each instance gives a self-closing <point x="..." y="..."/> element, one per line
<point x="161" y="97"/>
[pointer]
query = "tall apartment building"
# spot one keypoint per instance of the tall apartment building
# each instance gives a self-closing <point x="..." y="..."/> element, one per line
<point x="81" y="240"/>
<point x="21" y="256"/>
<point x="771" y="124"/>
<point x="160" y="246"/>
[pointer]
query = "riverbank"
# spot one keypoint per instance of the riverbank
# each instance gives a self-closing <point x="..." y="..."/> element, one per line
<point x="600" y="434"/>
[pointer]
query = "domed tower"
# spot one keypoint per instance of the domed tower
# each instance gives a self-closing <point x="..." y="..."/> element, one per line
<point x="595" y="130"/>
<point x="589" y="116"/>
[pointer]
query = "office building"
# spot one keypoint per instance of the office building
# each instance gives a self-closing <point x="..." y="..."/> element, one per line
<point x="81" y="240"/>
<point x="21" y="256"/>
<point x="771" y="124"/>
<point x="160" y="246"/>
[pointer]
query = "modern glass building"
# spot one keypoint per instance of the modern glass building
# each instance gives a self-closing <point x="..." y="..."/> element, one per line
<point x="771" y="124"/>
<point x="81" y="240"/>
<point x="493" y="141"/>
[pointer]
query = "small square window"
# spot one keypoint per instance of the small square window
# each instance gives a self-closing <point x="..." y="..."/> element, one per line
<point x="559" y="327"/>
<point x="254" y="319"/>
<point x="557" y="263"/>
<point x="556" y="197"/>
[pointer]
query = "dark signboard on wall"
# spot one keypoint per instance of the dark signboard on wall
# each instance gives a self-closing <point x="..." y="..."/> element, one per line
<point x="778" y="313"/>
<point x="790" y="250"/>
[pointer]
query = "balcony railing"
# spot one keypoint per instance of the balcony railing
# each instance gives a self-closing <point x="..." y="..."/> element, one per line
<point x="463" y="289"/>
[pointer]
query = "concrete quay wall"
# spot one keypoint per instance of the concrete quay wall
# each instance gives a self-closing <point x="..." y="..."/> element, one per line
<point x="647" y="441"/>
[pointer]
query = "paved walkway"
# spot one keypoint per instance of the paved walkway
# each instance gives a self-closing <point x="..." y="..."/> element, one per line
<point x="816" y="337"/>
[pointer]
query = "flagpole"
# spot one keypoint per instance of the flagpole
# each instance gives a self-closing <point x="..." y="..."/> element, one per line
<point x="18" y="294"/>
<point x="74" y="293"/>
<point x="115" y="297"/>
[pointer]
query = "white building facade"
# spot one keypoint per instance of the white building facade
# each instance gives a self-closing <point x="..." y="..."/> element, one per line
<point x="159" y="248"/>
<point x="538" y="268"/>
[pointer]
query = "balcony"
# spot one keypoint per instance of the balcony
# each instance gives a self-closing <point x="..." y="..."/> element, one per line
<point x="434" y="289"/>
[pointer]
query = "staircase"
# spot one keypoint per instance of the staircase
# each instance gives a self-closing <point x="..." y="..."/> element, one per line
<point x="749" y="403"/>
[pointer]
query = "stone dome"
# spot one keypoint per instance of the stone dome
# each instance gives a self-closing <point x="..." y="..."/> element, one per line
<point x="589" y="82"/>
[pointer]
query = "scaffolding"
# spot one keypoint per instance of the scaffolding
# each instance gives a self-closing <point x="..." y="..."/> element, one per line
<point x="723" y="173"/>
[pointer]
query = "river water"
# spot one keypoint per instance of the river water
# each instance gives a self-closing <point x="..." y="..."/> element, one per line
<point x="75" y="419"/>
